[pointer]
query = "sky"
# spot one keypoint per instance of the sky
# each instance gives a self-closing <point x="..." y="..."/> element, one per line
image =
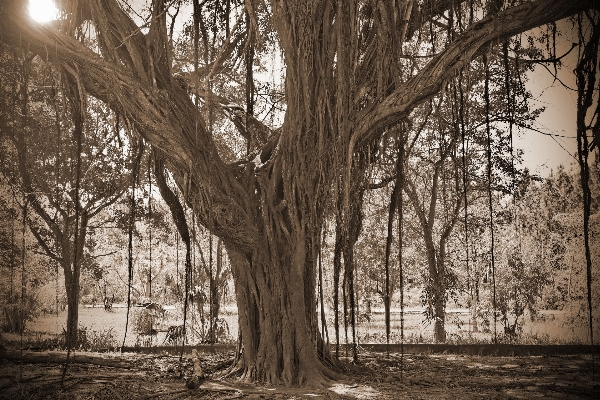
<point x="545" y="153"/>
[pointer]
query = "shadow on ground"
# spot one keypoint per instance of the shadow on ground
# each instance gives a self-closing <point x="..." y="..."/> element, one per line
<point x="133" y="376"/>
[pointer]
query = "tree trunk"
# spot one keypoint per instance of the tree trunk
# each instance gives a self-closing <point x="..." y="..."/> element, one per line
<point x="277" y="315"/>
<point x="72" y="271"/>
<point x="215" y="288"/>
<point x="474" y="301"/>
<point x="437" y="282"/>
<point x="73" y="289"/>
<point x="436" y="288"/>
<point x="337" y="268"/>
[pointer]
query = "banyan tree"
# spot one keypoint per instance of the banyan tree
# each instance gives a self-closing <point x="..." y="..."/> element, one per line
<point x="353" y="70"/>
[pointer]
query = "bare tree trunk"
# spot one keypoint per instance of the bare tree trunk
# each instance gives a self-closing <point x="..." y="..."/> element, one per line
<point x="216" y="285"/>
<point x="388" y="248"/>
<point x="438" y="298"/>
<point x="277" y="317"/>
<point x="337" y="267"/>
<point x="436" y="289"/>
<point x="73" y="289"/>
<point x="586" y="90"/>
<point x="72" y="272"/>
<point x="474" y="302"/>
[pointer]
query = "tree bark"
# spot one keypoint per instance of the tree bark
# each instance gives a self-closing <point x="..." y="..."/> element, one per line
<point x="72" y="271"/>
<point x="277" y="317"/>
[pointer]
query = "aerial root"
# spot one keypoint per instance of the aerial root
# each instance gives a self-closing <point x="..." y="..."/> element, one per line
<point x="249" y="374"/>
<point x="235" y="369"/>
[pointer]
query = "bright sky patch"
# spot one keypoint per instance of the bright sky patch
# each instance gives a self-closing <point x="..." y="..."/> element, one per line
<point x="43" y="10"/>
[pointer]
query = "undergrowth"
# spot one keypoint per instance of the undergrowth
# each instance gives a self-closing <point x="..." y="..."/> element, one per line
<point x="103" y="340"/>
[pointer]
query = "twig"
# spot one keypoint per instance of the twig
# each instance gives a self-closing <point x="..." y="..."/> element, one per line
<point x="233" y="396"/>
<point x="152" y="396"/>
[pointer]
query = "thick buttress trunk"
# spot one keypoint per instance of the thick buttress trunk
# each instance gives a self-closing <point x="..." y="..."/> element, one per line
<point x="277" y="316"/>
<point x="275" y="287"/>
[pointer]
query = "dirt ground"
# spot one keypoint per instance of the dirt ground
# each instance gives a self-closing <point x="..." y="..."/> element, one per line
<point x="133" y="376"/>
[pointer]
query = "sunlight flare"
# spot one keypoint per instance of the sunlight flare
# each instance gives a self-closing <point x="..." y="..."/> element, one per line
<point x="43" y="10"/>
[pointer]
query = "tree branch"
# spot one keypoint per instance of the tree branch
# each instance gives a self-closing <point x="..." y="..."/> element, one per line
<point x="42" y="243"/>
<point x="163" y="114"/>
<point x="430" y="80"/>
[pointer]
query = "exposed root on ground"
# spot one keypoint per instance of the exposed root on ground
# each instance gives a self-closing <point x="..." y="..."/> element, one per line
<point x="320" y="377"/>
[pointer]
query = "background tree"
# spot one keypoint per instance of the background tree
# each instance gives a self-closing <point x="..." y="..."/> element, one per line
<point x="25" y="272"/>
<point x="435" y="236"/>
<point x="63" y="184"/>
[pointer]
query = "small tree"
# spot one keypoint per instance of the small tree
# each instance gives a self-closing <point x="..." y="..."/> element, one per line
<point x="64" y="182"/>
<point x="519" y="287"/>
